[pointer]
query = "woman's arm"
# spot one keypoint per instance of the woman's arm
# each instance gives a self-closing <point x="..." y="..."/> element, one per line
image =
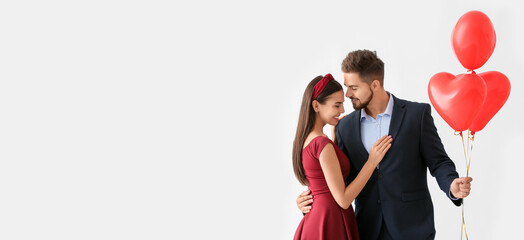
<point x="331" y="168"/>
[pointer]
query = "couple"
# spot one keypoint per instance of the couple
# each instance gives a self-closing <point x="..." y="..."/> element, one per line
<point x="378" y="157"/>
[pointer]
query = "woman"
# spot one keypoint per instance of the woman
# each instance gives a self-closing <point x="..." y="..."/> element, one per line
<point x="322" y="166"/>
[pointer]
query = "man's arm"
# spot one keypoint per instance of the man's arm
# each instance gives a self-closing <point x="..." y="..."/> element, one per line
<point x="439" y="164"/>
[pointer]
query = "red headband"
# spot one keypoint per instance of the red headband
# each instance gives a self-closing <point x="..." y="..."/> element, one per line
<point x="319" y="87"/>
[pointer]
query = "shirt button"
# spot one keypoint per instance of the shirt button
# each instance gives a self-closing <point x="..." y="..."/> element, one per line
<point x="380" y="175"/>
<point x="378" y="201"/>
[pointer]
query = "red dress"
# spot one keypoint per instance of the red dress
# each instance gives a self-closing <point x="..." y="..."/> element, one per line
<point x="326" y="220"/>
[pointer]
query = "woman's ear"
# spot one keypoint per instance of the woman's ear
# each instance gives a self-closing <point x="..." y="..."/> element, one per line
<point x="315" y="105"/>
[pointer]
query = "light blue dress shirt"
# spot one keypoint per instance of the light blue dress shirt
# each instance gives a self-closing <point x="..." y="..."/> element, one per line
<point x="371" y="130"/>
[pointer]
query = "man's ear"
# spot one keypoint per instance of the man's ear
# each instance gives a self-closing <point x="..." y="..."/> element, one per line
<point x="315" y="104"/>
<point x="375" y="84"/>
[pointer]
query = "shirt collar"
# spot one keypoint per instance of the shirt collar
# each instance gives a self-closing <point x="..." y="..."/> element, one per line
<point x="389" y="110"/>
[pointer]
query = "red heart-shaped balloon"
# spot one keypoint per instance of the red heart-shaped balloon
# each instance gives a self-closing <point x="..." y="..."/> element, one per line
<point x="459" y="99"/>
<point x="498" y="88"/>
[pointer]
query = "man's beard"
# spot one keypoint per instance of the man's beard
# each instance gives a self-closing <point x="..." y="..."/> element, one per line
<point x="363" y="104"/>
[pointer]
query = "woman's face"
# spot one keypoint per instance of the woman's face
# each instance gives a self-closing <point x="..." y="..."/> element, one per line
<point x="330" y="111"/>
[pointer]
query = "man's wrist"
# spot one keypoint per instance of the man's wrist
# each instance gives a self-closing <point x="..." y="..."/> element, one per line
<point x="452" y="197"/>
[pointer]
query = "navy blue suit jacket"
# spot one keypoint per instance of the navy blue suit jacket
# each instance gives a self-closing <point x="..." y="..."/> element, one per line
<point x="397" y="193"/>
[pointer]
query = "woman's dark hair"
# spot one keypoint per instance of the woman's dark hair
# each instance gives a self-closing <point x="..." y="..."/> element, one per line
<point x="306" y="122"/>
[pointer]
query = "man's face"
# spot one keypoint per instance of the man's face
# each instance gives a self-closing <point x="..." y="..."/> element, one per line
<point x="358" y="91"/>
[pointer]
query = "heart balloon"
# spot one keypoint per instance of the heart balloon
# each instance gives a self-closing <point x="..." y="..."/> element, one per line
<point x="459" y="99"/>
<point x="498" y="88"/>
<point x="473" y="39"/>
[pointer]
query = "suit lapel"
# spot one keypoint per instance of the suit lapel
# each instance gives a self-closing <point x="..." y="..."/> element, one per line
<point x="399" y="110"/>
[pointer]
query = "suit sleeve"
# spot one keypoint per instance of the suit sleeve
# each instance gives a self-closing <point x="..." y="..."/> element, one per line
<point x="440" y="165"/>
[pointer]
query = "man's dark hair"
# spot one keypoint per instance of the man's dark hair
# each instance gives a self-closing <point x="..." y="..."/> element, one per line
<point x="366" y="64"/>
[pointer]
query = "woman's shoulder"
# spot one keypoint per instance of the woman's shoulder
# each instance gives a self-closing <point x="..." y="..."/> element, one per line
<point x="318" y="143"/>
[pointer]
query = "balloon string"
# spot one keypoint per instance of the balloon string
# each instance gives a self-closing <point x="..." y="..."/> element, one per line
<point x="464" y="147"/>
<point x="463" y="225"/>
<point x="470" y="151"/>
<point x="467" y="165"/>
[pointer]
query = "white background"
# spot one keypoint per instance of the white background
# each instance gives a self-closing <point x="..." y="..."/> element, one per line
<point x="167" y="120"/>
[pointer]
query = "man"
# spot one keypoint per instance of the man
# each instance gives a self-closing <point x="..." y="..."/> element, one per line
<point x="395" y="203"/>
